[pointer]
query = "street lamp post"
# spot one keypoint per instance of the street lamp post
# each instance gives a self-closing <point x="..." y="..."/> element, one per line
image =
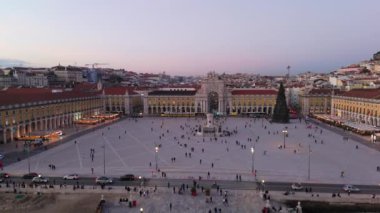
<point x="308" y="170"/>
<point x="285" y="132"/>
<point x="156" y="149"/>
<point x="104" y="157"/>
<point x="253" y="158"/>
<point x="28" y="157"/>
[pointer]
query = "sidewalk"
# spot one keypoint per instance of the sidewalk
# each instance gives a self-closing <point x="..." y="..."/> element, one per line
<point x="326" y="197"/>
<point x="14" y="151"/>
<point x="364" y="140"/>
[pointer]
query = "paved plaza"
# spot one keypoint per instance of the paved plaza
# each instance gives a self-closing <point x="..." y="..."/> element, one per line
<point x="130" y="148"/>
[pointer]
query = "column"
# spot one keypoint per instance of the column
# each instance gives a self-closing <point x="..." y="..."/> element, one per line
<point x="230" y="105"/>
<point x="126" y="105"/>
<point x="29" y="129"/>
<point x="23" y="130"/>
<point x="69" y="119"/>
<point x="45" y="124"/>
<point x="145" y="103"/>
<point x="56" y="120"/>
<point x="5" y="135"/>
<point x="52" y="122"/>
<point x="18" y="131"/>
<point x="63" y="120"/>
<point x="12" y="131"/>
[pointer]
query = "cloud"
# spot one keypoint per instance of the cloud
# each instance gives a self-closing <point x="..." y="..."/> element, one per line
<point x="12" y="62"/>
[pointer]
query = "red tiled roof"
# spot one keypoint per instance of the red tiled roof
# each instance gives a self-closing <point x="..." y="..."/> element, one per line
<point x="119" y="90"/>
<point x="85" y="86"/>
<point x="254" y="92"/>
<point x="26" y="95"/>
<point x="115" y="90"/>
<point x="363" y="93"/>
<point x="173" y="92"/>
<point x="179" y="86"/>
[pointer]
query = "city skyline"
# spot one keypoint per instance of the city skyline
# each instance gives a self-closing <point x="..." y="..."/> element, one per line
<point x="190" y="37"/>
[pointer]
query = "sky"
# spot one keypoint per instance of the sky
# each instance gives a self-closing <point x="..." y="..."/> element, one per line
<point x="186" y="37"/>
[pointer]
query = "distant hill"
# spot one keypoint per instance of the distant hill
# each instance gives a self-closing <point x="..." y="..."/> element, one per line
<point x="12" y="62"/>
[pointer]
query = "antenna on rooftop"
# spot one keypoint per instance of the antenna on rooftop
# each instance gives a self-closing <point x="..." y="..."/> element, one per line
<point x="95" y="64"/>
<point x="288" y="68"/>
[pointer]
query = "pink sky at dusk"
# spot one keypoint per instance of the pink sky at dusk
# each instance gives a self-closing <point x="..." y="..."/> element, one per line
<point x="191" y="37"/>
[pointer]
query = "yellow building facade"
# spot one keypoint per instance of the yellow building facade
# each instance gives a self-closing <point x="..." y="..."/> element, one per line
<point x="24" y="110"/>
<point x="252" y="101"/>
<point x="358" y="105"/>
<point x="122" y="100"/>
<point x="171" y="102"/>
<point x="316" y="101"/>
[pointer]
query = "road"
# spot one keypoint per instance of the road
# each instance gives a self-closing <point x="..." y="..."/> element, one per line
<point x="224" y="184"/>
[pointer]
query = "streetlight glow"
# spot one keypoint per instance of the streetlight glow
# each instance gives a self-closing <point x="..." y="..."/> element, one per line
<point x="156" y="153"/>
<point x="253" y="160"/>
<point x="262" y="185"/>
<point x="285" y="133"/>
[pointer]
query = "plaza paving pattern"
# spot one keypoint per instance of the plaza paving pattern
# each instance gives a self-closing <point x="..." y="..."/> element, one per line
<point x="130" y="148"/>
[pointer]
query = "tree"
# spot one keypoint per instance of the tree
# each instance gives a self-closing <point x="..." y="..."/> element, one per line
<point x="281" y="112"/>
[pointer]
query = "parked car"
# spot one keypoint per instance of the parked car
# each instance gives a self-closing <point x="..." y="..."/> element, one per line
<point x="30" y="175"/>
<point x="350" y="188"/>
<point x="40" y="179"/>
<point x="4" y="175"/>
<point x="296" y="186"/>
<point x="71" y="177"/>
<point x="103" y="180"/>
<point x="128" y="177"/>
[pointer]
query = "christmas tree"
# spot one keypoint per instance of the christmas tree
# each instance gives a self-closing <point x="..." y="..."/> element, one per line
<point x="281" y="112"/>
